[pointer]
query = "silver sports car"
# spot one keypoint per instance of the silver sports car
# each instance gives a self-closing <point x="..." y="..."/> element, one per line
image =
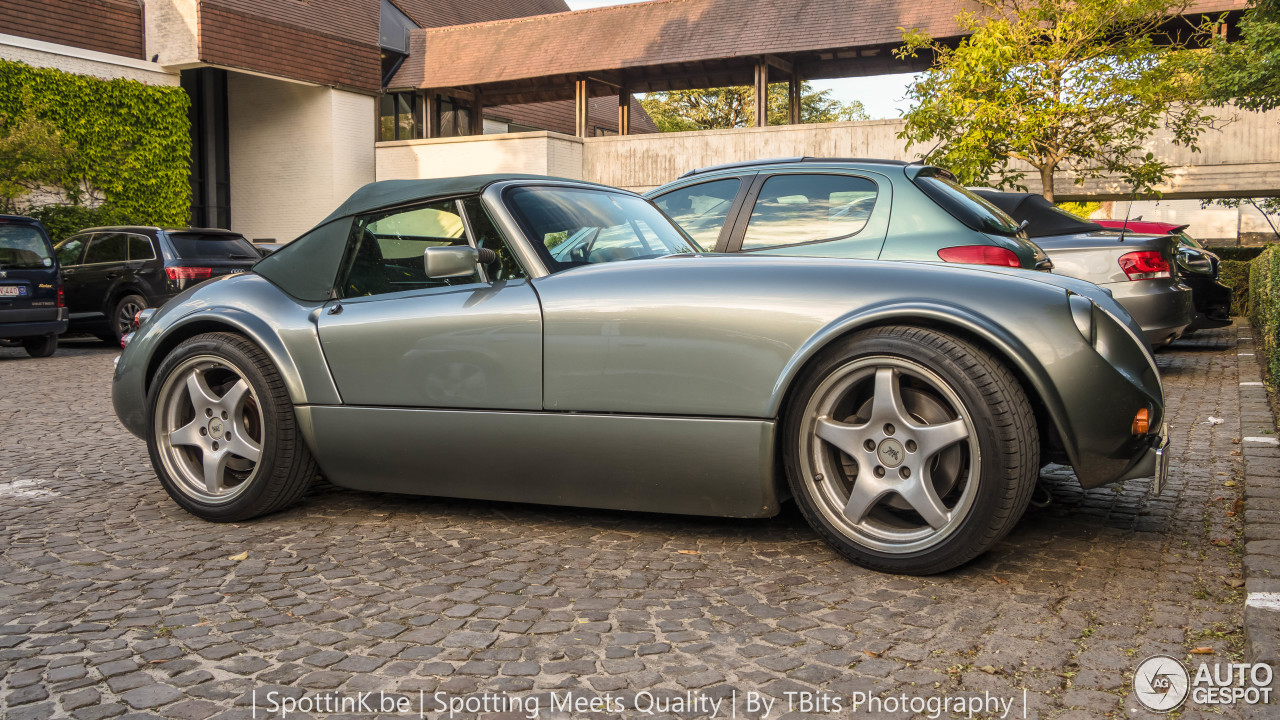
<point x="536" y="340"/>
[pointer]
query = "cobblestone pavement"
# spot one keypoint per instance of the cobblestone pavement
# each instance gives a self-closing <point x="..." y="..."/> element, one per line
<point x="113" y="601"/>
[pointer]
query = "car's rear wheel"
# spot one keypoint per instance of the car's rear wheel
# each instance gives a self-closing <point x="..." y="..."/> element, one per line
<point x="122" y="314"/>
<point x="223" y="437"/>
<point x="910" y="450"/>
<point x="41" y="346"/>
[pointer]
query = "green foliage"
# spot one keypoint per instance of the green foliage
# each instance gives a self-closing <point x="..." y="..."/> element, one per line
<point x="1243" y="254"/>
<point x="1247" y="72"/>
<point x="1081" y="209"/>
<point x="1235" y="275"/>
<point x="734" y="107"/>
<point x="1264" y="308"/>
<point x="116" y="142"/>
<point x="65" y="220"/>
<point x="1077" y="85"/>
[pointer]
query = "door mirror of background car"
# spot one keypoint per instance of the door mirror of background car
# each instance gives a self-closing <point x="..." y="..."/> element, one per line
<point x="450" y="261"/>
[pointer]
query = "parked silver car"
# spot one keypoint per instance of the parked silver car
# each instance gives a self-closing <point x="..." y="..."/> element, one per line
<point x="1140" y="271"/>
<point x="537" y="340"/>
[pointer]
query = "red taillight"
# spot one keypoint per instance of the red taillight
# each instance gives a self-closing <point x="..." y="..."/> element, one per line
<point x="62" y="296"/>
<point x="188" y="273"/>
<point x="980" y="255"/>
<point x="1144" y="265"/>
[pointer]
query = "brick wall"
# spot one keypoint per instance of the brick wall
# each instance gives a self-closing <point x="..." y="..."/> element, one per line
<point x="110" y="26"/>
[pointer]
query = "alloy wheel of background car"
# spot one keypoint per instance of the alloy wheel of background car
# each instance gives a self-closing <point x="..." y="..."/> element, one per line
<point x="122" y="316"/>
<point x="222" y="435"/>
<point x="909" y="450"/>
<point x="41" y="346"/>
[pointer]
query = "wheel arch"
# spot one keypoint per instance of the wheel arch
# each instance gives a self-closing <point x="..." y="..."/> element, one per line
<point x="127" y="287"/>
<point x="232" y="321"/>
<point x="962" y="322"/>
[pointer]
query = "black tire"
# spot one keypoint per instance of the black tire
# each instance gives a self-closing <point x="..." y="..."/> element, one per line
<point x="40" y="346"/>
<point x="999" y="417"/>
<point x="285" y="468"/>
<point x="121" y="317"/>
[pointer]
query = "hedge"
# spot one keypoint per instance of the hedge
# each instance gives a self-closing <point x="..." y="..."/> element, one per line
<point x="1235" y="274"/>
<point x="1238" y="253"/>
<point x="134" y="140"/>
<point x="1264" y="307"/>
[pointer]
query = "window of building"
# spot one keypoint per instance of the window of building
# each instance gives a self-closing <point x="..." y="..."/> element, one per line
<point x="400" y="117"/>
<point x="794" y="209"/>
<point x="605" y="132"/>
<point x="454" y="117"/>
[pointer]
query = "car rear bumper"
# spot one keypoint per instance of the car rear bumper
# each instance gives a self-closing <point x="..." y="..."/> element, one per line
<point x="1212" y="302"/>
<point x="36" y="328"/>
<point x="1163" y="309"/>
<point x="1154" y="463"/>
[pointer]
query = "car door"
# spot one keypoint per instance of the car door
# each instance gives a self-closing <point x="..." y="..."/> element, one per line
<point x="706" y="210"/>
<point x="70" y="255"/>
<point x="145" y="269"/>
<point x="395" y="338"/>
<point x="104" y="263"/>
<point x="822" y="214"/>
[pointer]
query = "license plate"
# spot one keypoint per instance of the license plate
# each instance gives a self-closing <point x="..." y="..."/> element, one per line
<point x="12" y="291"/>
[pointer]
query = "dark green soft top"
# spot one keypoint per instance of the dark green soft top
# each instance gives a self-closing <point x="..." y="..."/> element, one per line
<point x="307" y="267"/>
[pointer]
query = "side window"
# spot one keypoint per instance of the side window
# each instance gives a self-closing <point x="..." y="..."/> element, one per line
<point x="70" y="250"/>
<point x="107" y="247"/>
<point x="385" y="249"/>
<point x="140" y="248"/>
<point x="795" y="209"/>
<point x="487" y="236"/>
<point x="701" y="209"/>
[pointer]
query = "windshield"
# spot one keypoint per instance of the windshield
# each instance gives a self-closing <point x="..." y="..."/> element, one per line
<point x="211" y="246"/>
<point x="967" y="207"/>
<point x="24" y="247"/>
<point x="576" y="226"/>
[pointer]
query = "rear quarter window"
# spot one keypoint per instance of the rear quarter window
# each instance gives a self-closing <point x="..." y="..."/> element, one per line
<point x="964" y="205"/>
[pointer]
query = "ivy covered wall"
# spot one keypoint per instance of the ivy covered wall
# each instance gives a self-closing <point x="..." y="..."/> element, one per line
<point x="133" y="140"/>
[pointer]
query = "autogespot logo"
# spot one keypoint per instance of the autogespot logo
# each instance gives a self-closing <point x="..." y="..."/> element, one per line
<point x="1161" y="683"/>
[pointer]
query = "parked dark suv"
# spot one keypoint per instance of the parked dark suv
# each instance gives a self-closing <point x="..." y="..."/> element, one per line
<point x="31" y="307"/>
<point x="113" y="272"/>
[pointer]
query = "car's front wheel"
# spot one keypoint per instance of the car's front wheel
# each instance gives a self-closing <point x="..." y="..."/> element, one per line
<point x="910" y="450"/>
<point x="223" y="437"/>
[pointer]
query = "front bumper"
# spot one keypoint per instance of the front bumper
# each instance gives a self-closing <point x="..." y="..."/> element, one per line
<point x="1154" y="463"/>
<point x="1163" y="309"/>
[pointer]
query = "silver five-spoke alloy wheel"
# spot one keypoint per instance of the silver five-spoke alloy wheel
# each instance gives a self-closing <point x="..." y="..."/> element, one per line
<point x="209" y="429"/>
<point x="892" y="454"/>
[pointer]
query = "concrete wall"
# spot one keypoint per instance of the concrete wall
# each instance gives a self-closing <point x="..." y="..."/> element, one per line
<point x="172" y="29"/>
<point x="83" y="62"/>
<point x="296" y="152"/>
<point x="540" y="153"/>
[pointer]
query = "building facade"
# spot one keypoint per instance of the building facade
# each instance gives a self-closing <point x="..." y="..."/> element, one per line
<point x="287" y="101"/>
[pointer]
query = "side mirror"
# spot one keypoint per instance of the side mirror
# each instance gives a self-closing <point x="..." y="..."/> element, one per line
<point x="450" y="261"/>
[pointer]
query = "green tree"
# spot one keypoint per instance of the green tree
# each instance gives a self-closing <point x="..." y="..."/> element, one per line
<point x="36" y="162"/>
<point x="732" y="107"/>
<point x="1077" y="85"/>
<point x="1246" y="73"/>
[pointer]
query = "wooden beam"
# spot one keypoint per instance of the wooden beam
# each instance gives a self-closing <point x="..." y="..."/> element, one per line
<point x="783" y="65"/>
<point x="580" y="103"/>
<point x="762" y="93"/>
<point x="624" y="112"/>
<point x="794" y="86"/>
<point x="430" y="114"/>
<point x="477" y="113"/>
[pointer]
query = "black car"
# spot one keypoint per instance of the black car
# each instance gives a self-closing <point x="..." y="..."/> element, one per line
<point x="113" y="272"/>
<point x="31" y="297"/>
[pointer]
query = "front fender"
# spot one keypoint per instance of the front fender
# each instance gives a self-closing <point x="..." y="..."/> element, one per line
<point x="1007" y="346"/>
<point x="282" y="327"/>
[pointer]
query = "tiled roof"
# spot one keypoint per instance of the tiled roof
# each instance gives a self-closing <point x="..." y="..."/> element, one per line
<point x="558" y="116"/>
<point x="666" y="32"/>
<point x="110" y="26"/>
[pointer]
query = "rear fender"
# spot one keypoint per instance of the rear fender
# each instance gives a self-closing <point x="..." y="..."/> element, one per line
<point x="1005" y="346"/>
